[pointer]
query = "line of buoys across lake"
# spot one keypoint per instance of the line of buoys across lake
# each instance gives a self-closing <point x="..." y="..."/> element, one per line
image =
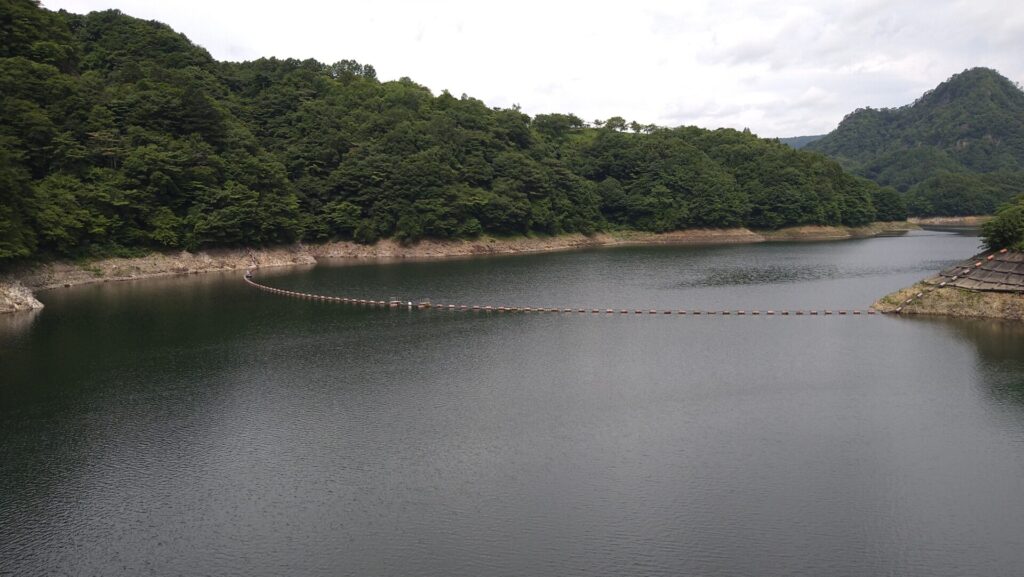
<point x="420" y="305"/>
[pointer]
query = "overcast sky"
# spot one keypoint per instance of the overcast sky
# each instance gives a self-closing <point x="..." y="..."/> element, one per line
<point x="781" y="68"/>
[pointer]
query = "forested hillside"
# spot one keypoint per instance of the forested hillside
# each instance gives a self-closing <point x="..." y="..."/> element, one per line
<point x="800" y="141"/>
<point x="119" y="135"/>
<point x="957" y="150"/>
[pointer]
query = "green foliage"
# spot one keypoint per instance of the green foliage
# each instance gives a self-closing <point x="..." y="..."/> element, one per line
<point x="800" y="141"/>
<point x="958" y="194"/>
<point x="890" y="205"/>
<point x="1006" y="230"/>
<point x="17" y="236"/>
<point x="118" y="135"/>
<point x="957" y="150"/>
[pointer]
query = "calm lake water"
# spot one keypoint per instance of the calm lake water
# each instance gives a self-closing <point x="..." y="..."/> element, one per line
<point x="194" y="426"/>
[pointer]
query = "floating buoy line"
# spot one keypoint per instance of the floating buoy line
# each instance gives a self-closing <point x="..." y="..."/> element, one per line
<point x="394" y="303"/>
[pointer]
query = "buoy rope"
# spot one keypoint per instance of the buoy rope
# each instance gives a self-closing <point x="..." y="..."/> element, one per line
<point x="426" y="304"/>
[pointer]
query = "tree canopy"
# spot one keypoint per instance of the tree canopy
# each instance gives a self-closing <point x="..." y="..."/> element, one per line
<point x="1006" y="229"/>
<point x="118" y="134"/>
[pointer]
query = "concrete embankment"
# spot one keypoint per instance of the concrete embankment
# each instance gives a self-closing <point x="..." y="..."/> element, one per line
<point x="987" y="285"/>
<point x="17" y="286"/>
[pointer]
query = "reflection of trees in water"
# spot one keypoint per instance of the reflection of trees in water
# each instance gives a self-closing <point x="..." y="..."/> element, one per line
<point x="1000" y="348"/>
<point x="14" y="324"/>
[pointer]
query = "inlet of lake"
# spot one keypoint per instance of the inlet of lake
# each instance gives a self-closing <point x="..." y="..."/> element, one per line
<point x="196" y="426"/>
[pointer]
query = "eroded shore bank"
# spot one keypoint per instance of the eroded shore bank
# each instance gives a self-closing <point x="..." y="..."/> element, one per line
<point x="17" y="287"/>
<point x="953" y="221"/>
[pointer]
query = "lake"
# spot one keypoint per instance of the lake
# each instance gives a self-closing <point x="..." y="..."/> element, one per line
<point x="196" y="426"/>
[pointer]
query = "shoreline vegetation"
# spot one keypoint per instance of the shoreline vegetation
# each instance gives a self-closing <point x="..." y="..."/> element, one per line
<point x="18" y="286"/>
<point x="121" y="136"/>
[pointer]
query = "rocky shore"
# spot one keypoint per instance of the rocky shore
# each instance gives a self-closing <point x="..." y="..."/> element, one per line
<point x="17" y="286"/>
<point x="953" y="302"/>
<point x="987" y="285"/>
<point x="953" y="221"/>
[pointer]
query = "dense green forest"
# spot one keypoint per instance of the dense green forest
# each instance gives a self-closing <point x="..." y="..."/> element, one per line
<point x="1006" y="229"/>
<point x="957" y="150"/>
<point x="119" y="135"/>
<point x="801" y="141"/>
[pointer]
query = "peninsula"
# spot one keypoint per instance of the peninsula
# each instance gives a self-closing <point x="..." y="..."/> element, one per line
<point x="989" y="285"/>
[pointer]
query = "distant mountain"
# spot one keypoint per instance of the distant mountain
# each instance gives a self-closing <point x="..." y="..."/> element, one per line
<point x="800" y="141"/>
<point x="958" y="149"/>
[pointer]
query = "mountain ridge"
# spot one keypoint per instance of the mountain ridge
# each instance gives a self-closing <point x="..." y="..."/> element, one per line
<point x="966" y="134"/>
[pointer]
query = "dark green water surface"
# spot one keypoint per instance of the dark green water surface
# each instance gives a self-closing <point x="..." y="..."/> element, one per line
<point x="195" y="426"/>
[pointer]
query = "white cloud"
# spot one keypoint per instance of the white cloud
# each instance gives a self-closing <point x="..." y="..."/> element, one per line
<point x="781" y="69"/>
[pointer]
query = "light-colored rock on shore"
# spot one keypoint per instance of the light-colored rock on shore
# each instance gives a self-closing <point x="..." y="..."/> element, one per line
<point x="15" y="297"/>
<point x="955" y="221"/>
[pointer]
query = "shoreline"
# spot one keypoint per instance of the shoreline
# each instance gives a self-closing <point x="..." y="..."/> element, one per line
<point x="952" y="302"/>
<point x="951" y="221"/>
<point x="17" y="287"/>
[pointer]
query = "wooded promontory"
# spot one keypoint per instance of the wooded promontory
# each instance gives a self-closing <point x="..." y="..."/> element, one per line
<point x="119" y="136"/>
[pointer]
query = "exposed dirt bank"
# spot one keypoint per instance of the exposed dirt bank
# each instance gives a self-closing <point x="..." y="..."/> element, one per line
<point x="953" y="302"/>
<point x="16" y="286"/>
<point x="969" y="221"/>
